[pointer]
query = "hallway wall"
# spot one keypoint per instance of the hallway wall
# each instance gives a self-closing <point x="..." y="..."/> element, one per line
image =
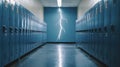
<point x="52" y="18"/>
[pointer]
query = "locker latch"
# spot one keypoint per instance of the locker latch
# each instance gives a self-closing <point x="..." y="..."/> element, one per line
<point x="16" y="30"/>
<point x="11" y="30"/>
<point x="4" y="29"/>
<point x="112" y="28"/>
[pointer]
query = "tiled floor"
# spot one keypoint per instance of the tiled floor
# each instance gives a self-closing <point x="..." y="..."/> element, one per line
<point x="57" y="55"/>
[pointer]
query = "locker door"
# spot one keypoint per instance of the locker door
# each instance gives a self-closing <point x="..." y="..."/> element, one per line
<point x="11" y="31"/>
<point x="100" y="29"/>
<point x="25" y="33"/>
<point x="20" y="31"/>
<point x="95" y="30"/>
<point x="16" y="30"/>
<point x="107" y="22"/>
<point x="5" y="32"/>
<point x="28" y="23"/>
<point x="0" y="32"/>
<point x="115" y="38"/>
<point x="29" y="28"/>
<point x="28" y="32"/>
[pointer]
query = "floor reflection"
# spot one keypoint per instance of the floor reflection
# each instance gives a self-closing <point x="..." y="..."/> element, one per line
<point x="60" y="57"/>
<point x="56" y="55"/>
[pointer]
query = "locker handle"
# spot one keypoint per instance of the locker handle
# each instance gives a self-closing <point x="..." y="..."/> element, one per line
<point x="16" y="30"/>
<point x="112" y="28"/>
<point x="20" y="30"/>
<point x="100" y="30"/>
<point x="105" y="29"/>
<point x="4" y="29"/>
<point x="11" y="30"/>
<point x="26" y="30"/>
<point x="95" y="30"/>
<point x="23" y="30"/>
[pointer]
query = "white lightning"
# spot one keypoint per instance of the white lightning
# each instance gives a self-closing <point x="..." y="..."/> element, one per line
<point x="60" y="24"/>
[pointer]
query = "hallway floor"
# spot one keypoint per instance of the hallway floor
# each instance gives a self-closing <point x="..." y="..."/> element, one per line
<point x="57" y="55"/>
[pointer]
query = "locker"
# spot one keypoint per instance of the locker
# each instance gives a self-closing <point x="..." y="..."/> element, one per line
<point x="100" y="29"/>
<point x="0" y="32"/>
<point x="115" y="32"/>
<point x="24" y="32"/>
<point x="91" y="31"/>
<point x="20" y="30"/>
<point x="11" y="32"/>
<point x="27" y="30"/>
<point x="5" y="32"/>
<point x="16" y="30"/>
<point x="23" y="28"/>
<point x="107" y="22"/>
<point x="95" y="30"/>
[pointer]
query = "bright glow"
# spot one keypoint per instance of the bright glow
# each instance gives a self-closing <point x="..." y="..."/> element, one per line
<point x="59" y="2"/>
<point x="12" y="2"/>
<point x="61" y="24"/>
<point x="60" y="57"/>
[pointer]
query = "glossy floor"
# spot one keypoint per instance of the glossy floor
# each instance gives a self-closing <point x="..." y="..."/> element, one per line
<point x="57" y="55"/>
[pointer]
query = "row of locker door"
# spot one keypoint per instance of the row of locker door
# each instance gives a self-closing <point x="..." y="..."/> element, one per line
<point x="20" y="31"/>
<point x="98" y="32"/>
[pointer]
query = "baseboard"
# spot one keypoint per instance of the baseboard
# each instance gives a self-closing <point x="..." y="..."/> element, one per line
<point x="93" y="58"/>
<point x="13" y="62"/>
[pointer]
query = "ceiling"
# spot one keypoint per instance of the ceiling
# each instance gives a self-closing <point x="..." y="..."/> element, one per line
<point x="65" y="3"/>
<point x="36" y="6"/>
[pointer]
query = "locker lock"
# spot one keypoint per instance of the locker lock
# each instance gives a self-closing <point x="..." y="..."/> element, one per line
<point x="11" y="30"/>
<point x="112" y="28"/>
<point x="105" y="29"/>
<point x="95" y="30"/>
<point x="100" y="30"/>
<point x="26" y="30"/>
<point x="4" y="29"/>
<point x="20" y="30"/>
<point x="16" y="30"/>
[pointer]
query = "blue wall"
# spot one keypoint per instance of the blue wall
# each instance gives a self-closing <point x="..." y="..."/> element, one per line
<point x="52" y="18"/>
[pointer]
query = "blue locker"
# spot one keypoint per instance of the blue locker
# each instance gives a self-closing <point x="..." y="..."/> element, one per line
<point x="107" y="22"/>
<point x="28" y="28"/>
<point x="91" y="31"/>
<point x="95" y="30"/>
<point x="20" y="30"/>
<point x="24" y="31"/>
<point x="0" y="32"/>
<point x="100" y="29"/>
<point x="11" y="31"/>
<point x="115" y="38"/>
<point x="27" y="31"/>
<point x="16" y="31"/>
<point x="5" y="32"/>
<point x="23" y="27"/>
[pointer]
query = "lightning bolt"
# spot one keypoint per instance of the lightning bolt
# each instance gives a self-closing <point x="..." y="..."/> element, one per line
<point x="60" y="24"/>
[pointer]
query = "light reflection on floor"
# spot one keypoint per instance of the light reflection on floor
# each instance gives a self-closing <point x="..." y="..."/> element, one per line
<point x="57" y="55"/>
